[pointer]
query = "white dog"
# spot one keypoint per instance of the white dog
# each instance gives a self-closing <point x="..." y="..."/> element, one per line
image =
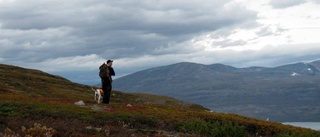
<point x="98" y="95"/>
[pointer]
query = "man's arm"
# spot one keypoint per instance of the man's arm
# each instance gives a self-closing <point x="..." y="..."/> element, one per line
<point x="112" y="73"/>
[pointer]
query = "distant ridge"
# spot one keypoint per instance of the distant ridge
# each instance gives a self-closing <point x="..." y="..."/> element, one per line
<point x="285" y="93"/>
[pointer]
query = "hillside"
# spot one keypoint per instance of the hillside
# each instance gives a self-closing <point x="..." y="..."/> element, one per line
<point x="284" y="93"/>
<point x="35" y="103"/>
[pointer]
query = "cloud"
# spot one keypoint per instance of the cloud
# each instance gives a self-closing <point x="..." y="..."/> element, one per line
<point x="111" y="25"/>
<point x="74" y="37"/>
<point x="37" y="45"/>
<point x="286" y="3"/>
<point x="110" y="29"/>
<point x="315" y="1"/>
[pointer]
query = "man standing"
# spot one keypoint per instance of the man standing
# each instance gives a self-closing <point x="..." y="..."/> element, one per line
<point x="106" y="80"/>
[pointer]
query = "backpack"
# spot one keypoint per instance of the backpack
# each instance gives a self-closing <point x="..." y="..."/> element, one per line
<point x="103" y="71"/>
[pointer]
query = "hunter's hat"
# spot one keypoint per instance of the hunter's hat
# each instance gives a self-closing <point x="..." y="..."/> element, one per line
<point x="109" y="61"/>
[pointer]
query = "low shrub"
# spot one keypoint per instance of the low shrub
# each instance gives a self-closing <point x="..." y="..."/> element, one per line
<point x="37" y="130"/>
<point x="7" y="109"/>
<point x="217" y="129"/>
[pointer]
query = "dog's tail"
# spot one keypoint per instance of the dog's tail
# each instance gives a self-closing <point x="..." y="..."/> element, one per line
<point x="93" y="89"/>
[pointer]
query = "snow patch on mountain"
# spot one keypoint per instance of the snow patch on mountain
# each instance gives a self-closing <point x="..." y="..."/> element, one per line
<point x="294" y="74"/>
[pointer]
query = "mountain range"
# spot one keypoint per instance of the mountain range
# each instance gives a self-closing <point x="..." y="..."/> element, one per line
<point x="285" y="93"/>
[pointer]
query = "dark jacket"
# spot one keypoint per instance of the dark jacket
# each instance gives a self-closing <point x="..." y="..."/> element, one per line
<point x="111" y="71"/>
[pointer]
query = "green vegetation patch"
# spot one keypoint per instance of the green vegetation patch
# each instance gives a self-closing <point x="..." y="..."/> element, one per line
<point x="7" y="109"/>
<point x="217" y="129"/>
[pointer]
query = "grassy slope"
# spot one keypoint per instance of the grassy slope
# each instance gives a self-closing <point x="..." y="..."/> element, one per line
<point x="33" y="102"/>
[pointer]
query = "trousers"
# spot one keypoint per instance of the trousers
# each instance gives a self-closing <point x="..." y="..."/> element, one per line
<point x="106" y="87"/>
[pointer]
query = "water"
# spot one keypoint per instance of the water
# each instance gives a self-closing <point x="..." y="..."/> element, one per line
<point x="311" y="125"/>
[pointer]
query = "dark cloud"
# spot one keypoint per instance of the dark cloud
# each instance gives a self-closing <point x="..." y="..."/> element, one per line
<point x="102" y="27"/>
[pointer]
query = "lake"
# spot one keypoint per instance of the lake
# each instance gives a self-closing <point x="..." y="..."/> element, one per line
<point x="311" y="125"/>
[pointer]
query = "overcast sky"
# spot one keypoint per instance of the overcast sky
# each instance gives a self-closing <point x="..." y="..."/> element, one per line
<point x="73" y="38"/>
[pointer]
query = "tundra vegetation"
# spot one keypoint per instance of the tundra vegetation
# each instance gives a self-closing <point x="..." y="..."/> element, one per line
<point x="34" y="103"/>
